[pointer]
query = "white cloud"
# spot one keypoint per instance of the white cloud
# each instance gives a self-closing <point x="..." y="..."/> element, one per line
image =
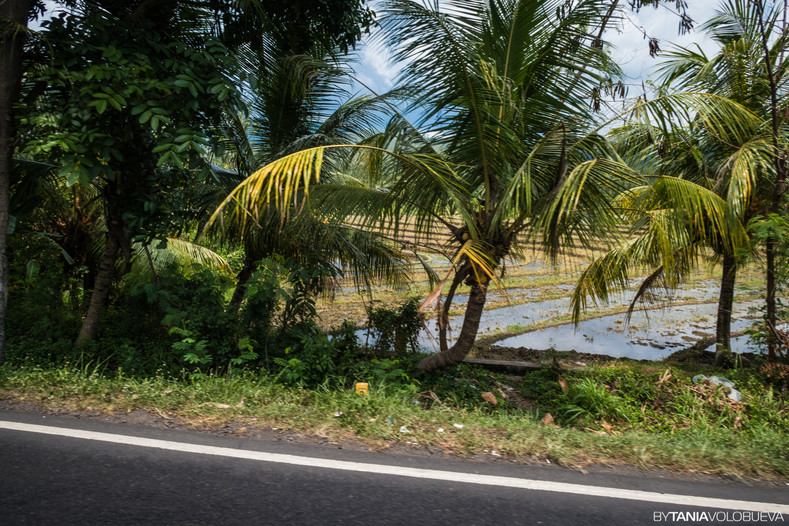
<point x="631" y="48"/>
<point x="374" y="66"/>
<point x="377" y="57"/>
<point x="364" y="79"/>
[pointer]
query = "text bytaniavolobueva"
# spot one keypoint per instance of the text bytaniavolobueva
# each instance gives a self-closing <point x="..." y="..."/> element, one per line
<point x="717" y="516"/>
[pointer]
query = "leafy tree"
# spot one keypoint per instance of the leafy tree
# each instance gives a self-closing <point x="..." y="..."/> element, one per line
<point x="127" y="106"/>
<point x="14" y="17"/>
<point x="128" y="139"/>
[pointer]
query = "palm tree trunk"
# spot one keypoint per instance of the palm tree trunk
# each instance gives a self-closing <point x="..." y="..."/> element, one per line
<point x="250" y="266"/>
<point x="101" y="291"/>
<point x="779" y="160"/>
<point x="725" y="303"/>
<point x="11" y="51"/>
<point x="468" y="334"/>
<point x="443" y="316"/>
<point x="770" y="314"/>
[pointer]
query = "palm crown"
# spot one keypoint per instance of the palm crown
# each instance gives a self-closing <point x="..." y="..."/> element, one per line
<point x="710" y="143"/>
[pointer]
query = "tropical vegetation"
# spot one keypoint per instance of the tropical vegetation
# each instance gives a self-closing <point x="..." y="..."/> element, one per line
<point x="504" y="147"/>
<point x="733" y="159"/>
<point x="184" y="185"/>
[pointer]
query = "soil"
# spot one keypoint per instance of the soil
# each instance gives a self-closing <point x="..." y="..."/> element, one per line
<point x="525" y="354"/>
<point x="141" y="417"/>
<point x="573" y="358"/>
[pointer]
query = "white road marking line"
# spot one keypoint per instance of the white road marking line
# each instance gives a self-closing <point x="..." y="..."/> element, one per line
<point x="449" y="476"/>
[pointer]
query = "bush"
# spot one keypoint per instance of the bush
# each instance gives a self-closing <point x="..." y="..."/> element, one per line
<point x="181" y="321"/>
<point x="36" y="279"/>
<point x="36" y="334"/>
<point x="396" y="329"/>
<point x="592" y="401"/>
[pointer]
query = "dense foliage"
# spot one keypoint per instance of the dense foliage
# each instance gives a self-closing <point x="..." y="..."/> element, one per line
<point x="133" y="127"/>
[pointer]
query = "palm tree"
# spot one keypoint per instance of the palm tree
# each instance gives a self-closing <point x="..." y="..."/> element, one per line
<point x="731" y="158"/>
<point x="674" y="218"/>
<point x="298" y="102"/>
<point x="503" y="88"/>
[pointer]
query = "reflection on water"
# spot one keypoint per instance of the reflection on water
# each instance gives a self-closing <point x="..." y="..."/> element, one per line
<point x="652" y="334"/>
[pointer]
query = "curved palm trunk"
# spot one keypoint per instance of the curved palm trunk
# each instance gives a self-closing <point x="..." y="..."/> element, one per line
<point x="101" y="291"/>
<point x="468" y="334"/>
<point x="725" y="303"/>
<point x="246" y="272"/>
<point x="443" y="317"/>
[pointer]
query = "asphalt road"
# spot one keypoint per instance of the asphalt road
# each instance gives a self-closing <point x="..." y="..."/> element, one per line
<point x="50" y="479"/>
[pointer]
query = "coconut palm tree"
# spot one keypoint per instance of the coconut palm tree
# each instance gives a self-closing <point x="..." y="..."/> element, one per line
<point x="761" y="30"/>
<point x="732" y="157"/>
<point x="298" y="102"/>
<point x="503" y="147"/>
<point x="675" y="219"/>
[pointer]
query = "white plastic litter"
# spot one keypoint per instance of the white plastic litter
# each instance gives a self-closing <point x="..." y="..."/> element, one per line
<point x="733" y="393"/>
<point x="722" y="381"/>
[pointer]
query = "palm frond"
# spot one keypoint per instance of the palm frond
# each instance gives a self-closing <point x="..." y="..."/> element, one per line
<point x="152" y="258"/>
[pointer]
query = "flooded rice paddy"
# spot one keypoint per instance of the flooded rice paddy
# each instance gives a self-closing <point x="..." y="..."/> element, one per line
<point x="534" y="312"/>
<point x="651" y="334"/>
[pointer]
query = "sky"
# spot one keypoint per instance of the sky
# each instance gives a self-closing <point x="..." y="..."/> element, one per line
<point x="629" y="47"/>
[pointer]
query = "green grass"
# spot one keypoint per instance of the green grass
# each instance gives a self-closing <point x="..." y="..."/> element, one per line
<point x="626" y="413"/>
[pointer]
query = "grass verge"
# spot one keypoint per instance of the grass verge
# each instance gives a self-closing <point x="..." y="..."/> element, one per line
<point x="643" y="415"/>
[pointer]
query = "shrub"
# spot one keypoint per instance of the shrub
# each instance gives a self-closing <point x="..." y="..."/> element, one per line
<point x="37" y="278"/>
<point x="396" y="329"/>
<point x="181" y="319"/>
